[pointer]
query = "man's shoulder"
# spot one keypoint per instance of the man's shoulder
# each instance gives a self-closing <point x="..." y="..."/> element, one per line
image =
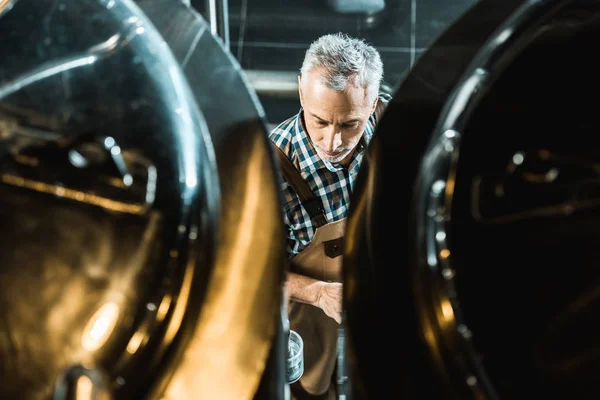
<point x="283" y="133"/>
<point x="384" y="97"/>
<point x="384" y="100"/>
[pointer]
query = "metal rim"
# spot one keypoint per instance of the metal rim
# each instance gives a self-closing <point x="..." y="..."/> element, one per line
<point x="444" y="331"/>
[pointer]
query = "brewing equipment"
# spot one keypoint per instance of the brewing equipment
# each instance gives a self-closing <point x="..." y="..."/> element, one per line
<point x="141" y="239"/>
<point x="141" y="243"/>
<point x="487" y="257"/>
<point x="251" y="240"/>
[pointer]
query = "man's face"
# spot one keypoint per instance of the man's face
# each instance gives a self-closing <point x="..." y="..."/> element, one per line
<point x="335" y="121"/>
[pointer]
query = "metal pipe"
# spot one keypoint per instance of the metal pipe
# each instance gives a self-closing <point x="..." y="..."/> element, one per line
<point x="218" y="18"/>
<point x="274" y="83"/>
<point x="283" y="83"/>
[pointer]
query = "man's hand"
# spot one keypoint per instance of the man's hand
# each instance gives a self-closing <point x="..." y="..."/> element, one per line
<point x="329" y="299"/>
<point x="325" y="295"/>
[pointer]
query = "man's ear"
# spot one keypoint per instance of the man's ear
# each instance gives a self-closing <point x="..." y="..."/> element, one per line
<point x="300" y="90"/>
<point x="375" y="104"/>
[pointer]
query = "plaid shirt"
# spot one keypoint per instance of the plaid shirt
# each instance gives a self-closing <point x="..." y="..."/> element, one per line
<point x="331" y="183"/>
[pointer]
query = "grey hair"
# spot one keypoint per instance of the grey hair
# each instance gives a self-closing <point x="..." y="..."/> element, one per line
<point x="342" y="59"/>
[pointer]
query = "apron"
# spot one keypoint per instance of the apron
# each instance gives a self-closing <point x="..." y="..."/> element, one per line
<point x="322" y="260"/>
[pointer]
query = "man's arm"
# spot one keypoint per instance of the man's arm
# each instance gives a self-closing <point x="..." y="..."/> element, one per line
<point x="303" y="289"/>
<point x="325" y="295"/>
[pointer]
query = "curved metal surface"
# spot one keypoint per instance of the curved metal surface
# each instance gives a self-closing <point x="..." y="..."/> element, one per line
<point x="529" y="197"/>
<point x="6" y="5"/>
<point x="465" y="262"/>
<point x="241" y="326"/>
<point x="108" y="201"/>
<point x="377" y="265"/>
<point x="450" y="338"/>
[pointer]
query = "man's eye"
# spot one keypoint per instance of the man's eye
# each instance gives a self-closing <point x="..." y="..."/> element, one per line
<point x="321" y="123"/>
<point x="350" y="126"/>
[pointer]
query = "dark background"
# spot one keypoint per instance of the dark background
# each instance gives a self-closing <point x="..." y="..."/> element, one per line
<point x="273" y="35"/>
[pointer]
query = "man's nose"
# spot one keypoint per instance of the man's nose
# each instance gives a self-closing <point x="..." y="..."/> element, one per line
<point x="329" y="138"/>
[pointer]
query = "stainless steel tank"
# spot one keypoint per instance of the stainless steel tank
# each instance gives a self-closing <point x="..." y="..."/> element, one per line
<point x="141" y="238"/>
<point x="474" y="226"/>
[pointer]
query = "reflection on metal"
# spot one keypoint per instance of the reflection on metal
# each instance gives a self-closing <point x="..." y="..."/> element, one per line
<point x="228" y="355"/>
<point x="94" y="53"/>
<point x="76" y="195"/>
<point x="84" y="388"/>
<point x="82" y="383"/>
<point x="182" y="301"/>
<point x="136" y="342"/>
<point x="36" y="158"/>
<point x="534" y="185"/>
<point x="100" y="327"/>
<point x="45" y="72"/>
<point x="164" y="307"/>
<point x="94" y="253"/>
<point x="224" y="357"/>
<point x="5" y="5"/>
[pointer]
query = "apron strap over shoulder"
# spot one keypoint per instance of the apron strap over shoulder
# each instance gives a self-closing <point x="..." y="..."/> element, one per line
<point x="310" y="202"/>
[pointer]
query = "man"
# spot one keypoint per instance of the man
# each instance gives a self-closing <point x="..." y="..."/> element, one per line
<point x="320" y="150"/>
